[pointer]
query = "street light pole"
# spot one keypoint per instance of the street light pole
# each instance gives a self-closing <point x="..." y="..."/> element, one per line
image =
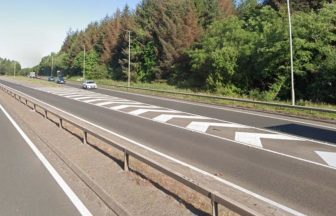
<point x="14" y="68"/>
<point x="129" y="58"/>
<point x="291" y="52"/>
<point x="52" y="65"/>
<point x="84" y="63"/>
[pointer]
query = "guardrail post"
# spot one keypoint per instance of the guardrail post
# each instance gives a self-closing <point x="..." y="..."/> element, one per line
<point x="60" y="123"/>
<point x="214" y="205"/>
<point x="126" y="161"/>
<point x="34" y="107"/>
<point x="84" y="137"/>
<point x="45" y="114"/>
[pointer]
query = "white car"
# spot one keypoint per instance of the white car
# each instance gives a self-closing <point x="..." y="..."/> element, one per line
<point x="89" y="84"/>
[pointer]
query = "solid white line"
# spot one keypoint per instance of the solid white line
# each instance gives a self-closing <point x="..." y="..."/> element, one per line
<point x="238" y="142"/>
<point x="223" y="108"/>
<point x="278" y="205"/>
<point x="253" y="127"/>
<point x="67" y="190"/>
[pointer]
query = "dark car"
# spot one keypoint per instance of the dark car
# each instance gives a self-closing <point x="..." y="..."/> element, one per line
<point x="60" y="80"/>
<point x="51" y="78"/>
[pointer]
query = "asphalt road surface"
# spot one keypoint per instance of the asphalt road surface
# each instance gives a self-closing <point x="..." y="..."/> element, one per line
<point x="26" y="187"/>
<point x="306" y="187"/>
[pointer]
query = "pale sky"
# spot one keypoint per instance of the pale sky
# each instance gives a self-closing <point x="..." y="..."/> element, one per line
<point x="31" y="29"/>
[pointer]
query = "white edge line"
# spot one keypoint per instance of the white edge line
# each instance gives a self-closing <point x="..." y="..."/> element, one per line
<point x="222" y="138"/>
<point x="278" y="205"/>
<point x="223" y="108"/>
<point x="212" y="135"/>
<point x="67" y="190"/>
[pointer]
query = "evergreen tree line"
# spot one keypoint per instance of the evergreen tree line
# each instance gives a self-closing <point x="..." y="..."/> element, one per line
<point x="214" y="45"/>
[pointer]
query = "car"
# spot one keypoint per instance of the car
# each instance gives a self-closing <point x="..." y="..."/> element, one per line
<point x="51" y="78"/>
<point x="89" y="84"/>
<point x="60" y="80"/>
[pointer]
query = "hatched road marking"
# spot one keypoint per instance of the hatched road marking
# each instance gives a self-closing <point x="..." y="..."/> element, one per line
<point x="228" y="131"/>
<point x="203" y="126"/>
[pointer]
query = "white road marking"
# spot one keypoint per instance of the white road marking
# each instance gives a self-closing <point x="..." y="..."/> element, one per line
<point x="65" y="94"/>
<point x="243" y="143"/>
<point x="132" y="105"/>
<point x="228" y="109"/>
<point x="167" y="117"/>
<point x="328" y="157"/>
<point x="254" y="138"/>
<point x="104" y="103"/>
<point x="230" y="184"/>
<point x="95" y="100"/>
<point x="84" y="98"/>
<point x="203" y="126"/>
<point x="74" y="96"/>
<point x="142" y="111"/>
<point x="67" y="190"/>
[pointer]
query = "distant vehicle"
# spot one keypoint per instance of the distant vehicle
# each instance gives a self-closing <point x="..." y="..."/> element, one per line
<point x="32" y="75"/>
<point x="60" y="80"/>
<point x="89" y="84"/>
<point x="51" y="78"/>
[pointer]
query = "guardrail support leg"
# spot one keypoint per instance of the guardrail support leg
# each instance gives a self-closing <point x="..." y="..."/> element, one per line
<point x="214" y="208"/>
<point x="45" y="114"/>
<point x="34" y="107"/>
<point x="84" y="137"/>
<point x="60" y="123"/>
<point x="126" y="161"/>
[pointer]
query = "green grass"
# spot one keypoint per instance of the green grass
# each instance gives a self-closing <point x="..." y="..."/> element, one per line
<point x="32" y="81"/>
<point x="195" y="98"/>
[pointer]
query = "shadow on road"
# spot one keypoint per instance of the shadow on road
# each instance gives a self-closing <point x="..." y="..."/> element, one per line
<point x="309" y="132"/>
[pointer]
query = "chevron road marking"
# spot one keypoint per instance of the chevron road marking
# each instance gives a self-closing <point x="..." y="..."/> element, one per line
<point x="254" y="138"/>
<point x="85" y="97"/>
<point x="95" y="100"/>
<point x="104" y="103"/>
<point x="65" y="94"/>
<point x="166" y="117"/>
<point x="123" y="103"/>
<point x="74" y="96"/>
<point x="194" y="168"/>
<point x="203" y="126"/>
<point x="142" y="111"/>
<point x="132" y="106"/>
<point x="328" y="157"/>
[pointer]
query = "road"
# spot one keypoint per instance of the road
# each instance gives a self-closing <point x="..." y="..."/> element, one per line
<point x="27" y="188"/>
<point x="301" y="185"/>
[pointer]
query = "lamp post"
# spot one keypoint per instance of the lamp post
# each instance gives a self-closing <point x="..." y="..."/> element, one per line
<point x="52" y="65"/>
<point x="84" y="63"/>
<point x="14" y="68"/>
<point x="129" y="57"/>
<point x="291" y="52"/>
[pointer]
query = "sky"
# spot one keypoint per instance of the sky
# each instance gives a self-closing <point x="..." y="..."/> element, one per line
<point x="31" y="29"/>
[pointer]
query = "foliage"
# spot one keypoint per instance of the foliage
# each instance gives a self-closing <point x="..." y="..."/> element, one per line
<point x="7" y="67"/>
<point x="216" y="45"/>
